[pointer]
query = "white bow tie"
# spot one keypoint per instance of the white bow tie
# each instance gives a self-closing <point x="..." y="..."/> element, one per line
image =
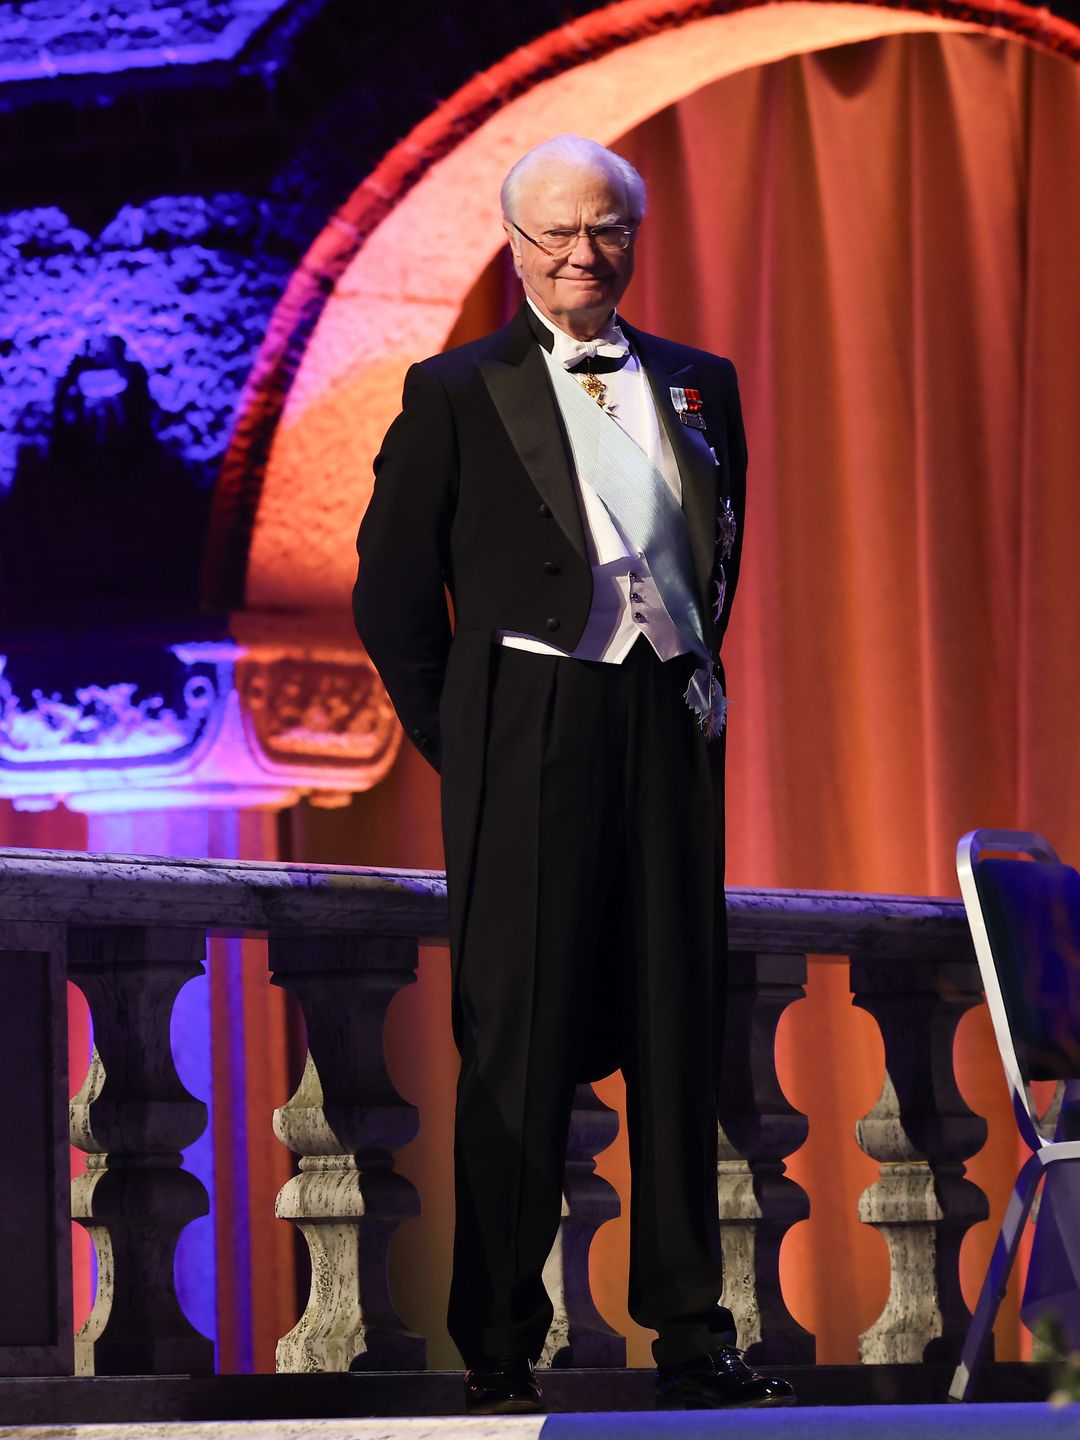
<point x="611" y="343"/>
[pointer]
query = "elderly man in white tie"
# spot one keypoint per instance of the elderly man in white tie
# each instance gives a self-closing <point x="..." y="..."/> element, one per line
<point x="577" y="487"/>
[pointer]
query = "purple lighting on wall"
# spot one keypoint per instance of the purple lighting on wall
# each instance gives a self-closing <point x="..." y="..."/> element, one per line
<point x="183" y="282"/>
<point x="72" y="37"/>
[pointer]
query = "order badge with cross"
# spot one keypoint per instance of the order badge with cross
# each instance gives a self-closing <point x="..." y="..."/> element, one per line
<point x="592" y="385"/>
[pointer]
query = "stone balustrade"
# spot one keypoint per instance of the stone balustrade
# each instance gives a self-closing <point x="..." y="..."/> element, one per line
<point x="130" y="931"/>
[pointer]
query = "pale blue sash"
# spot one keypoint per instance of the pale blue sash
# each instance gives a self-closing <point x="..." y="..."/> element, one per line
<point x="639" y="500"/>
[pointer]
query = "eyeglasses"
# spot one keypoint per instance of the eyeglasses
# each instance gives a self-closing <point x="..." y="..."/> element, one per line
<point x="557" y="243"/>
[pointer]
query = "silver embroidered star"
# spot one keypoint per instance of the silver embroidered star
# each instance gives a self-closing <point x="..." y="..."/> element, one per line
<point x="721" y="591"/>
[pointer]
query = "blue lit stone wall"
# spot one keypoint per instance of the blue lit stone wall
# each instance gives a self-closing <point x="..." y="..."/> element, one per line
<point x="122" y="358"/>
<point x="47" y="37"/>
<point x="166" y="167"/>
<point x="188" y="283"/>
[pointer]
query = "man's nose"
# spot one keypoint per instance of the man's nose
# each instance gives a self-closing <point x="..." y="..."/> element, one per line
<point x="585" y="251"/>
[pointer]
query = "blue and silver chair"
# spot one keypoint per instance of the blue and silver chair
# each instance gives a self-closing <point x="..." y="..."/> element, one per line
<point x="1023" y="907"/>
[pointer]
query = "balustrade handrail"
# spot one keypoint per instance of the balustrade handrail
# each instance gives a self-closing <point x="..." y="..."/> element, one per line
<point x="285" y="897"/>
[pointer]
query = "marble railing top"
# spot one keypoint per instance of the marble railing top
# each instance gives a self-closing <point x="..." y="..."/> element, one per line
<point x="81" y="889"/>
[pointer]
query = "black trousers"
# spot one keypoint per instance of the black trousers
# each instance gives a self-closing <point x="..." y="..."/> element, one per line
<point x="589" y="944"/>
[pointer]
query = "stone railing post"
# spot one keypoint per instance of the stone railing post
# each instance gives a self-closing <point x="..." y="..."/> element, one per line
<point x="579" y="1336"/>
<point x="345" y="1121"/>
<point x="35" y="1234"/>
<point x="133" y="1117"/>
<point x="758" y="1128"/>
<point x="921" y="1132"/>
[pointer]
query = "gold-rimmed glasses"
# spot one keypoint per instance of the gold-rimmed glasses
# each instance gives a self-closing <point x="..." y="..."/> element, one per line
<point x="557" y="243"/>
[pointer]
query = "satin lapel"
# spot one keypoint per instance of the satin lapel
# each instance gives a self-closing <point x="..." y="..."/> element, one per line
<point x="523" y="397"/>
<point x="697" y="468"/>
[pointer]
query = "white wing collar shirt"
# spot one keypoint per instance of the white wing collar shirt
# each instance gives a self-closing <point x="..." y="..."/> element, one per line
<point x="626" y="602"/>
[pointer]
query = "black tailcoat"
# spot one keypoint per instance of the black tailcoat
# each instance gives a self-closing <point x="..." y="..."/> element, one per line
<point x="475" y="499"/>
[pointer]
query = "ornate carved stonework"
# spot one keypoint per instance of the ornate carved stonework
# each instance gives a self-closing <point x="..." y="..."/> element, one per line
<point x="280" y="708"/>
<point x="100" y="724"/>
<point x="328" y="710"/>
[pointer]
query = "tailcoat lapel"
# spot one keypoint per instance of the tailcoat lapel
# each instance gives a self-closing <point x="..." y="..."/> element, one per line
<point x="521" y="391"/>
<point x="697" y="466"/>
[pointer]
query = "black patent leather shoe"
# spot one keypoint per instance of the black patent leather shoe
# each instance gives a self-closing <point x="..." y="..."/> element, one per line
<point x="504" y="1386"/>
<point x="721" y="1381"/>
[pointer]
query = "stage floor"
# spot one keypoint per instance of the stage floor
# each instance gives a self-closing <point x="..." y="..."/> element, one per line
<point x="849" y="1422"/>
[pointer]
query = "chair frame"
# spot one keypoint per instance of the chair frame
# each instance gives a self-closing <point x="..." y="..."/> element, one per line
<point x="1045" y="1149"/>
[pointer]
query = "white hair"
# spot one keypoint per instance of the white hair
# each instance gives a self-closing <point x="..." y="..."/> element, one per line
<point x="587" y="155"/>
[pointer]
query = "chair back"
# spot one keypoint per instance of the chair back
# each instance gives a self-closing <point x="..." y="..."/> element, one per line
<point x="1024" y="915"/>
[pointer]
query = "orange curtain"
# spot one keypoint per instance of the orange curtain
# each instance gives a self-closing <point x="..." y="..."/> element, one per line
<point x="884" y="238"/>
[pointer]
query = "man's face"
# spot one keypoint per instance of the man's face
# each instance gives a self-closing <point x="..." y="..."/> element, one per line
<point x="578" y="291"/>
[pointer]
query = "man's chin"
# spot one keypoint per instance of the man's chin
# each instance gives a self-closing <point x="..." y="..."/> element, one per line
<point x="581" y="300"/>
<point x="588" y="292"/>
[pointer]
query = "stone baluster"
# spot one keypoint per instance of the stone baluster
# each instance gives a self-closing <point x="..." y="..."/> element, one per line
<point x="579" y="1336"/>
<point x="345" y="1121"/>
<point x="758" y="1128"/>
<point x="35" y="1236"/>
<point x="921" y="1132"/>
<point x="133" y="1117"/>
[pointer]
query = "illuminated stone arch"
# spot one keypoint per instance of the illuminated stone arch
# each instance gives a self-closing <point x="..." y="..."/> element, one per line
<point x="384" y="282"/>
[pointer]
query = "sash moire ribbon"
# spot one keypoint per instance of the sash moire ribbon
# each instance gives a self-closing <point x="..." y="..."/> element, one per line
<point x="638" y="499"/>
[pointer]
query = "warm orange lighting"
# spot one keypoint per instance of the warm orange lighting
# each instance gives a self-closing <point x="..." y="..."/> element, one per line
<point x="383" y="283"/>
